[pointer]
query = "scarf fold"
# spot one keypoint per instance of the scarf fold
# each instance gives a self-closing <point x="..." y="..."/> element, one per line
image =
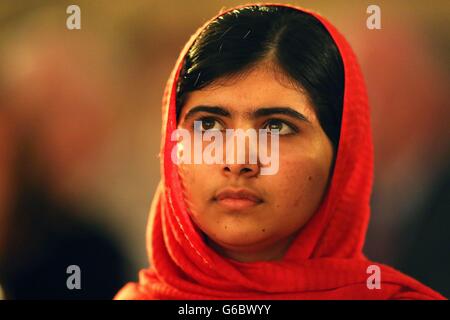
<point x="325" y="261"/>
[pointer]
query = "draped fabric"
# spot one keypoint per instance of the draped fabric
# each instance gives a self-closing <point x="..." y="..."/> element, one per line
<point x="325" y="261"/>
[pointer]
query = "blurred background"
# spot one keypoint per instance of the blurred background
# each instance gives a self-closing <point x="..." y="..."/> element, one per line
<point x="80" y="117"/>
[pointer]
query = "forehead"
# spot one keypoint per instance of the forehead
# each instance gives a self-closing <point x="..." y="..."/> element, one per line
<point x="259" y="87"/>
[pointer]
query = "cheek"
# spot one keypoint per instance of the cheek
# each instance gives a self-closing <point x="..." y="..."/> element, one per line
<point x="300" y="184"/>
<point x="195" y="179"/>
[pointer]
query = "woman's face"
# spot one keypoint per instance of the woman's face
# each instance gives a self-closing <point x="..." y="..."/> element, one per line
<point x="260" y="228"/>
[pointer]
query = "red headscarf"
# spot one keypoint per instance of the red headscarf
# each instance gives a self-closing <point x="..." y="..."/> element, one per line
<point x="325" y="261"/>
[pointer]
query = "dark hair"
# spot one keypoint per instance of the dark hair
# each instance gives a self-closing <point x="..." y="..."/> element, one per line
<point x="295" y="41"/>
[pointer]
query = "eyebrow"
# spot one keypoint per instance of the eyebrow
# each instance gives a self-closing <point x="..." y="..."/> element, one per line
<point x="209" y="109"/>
<point x="258" y="113"/>
<point x="287" y="111"/>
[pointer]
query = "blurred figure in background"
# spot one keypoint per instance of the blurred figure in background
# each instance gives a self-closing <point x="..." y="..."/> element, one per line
<point x="409" y="99"/>
<point x="54" y="125"/>
<point x="7" y="185"/>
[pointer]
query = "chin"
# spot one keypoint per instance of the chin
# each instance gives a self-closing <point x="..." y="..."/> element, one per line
<point x="236" y="240"/>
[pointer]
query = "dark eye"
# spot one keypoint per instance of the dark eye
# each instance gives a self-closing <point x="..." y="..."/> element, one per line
<point x="282" y="127"/>
<point x="208" y="124"/>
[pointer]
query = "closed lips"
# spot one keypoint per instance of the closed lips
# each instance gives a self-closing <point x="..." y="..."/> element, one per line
<point x="238" y="194"/>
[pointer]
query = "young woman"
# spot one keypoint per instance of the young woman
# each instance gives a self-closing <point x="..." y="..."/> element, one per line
<point x="228" y="231"/>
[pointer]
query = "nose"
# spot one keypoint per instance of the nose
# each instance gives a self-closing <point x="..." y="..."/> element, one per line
<point x="241" y="157"/>
<point x="246" y="166"/>
<point x="245" y="170"/>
